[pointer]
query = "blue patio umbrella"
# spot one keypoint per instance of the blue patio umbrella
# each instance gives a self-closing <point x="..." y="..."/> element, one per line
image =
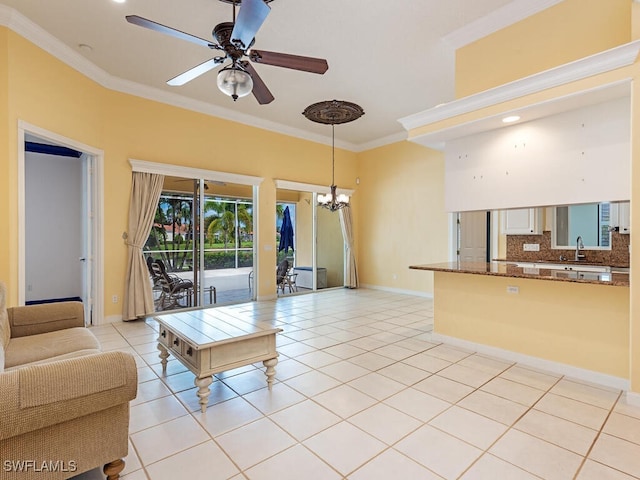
<point x="286" y="232"/>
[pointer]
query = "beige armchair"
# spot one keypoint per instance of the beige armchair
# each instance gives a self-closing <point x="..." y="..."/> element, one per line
<point x="64" y="405"/>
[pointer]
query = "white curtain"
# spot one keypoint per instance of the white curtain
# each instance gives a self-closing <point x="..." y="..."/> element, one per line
<point x="351" y="272"/>
<point x="145" y="193"/>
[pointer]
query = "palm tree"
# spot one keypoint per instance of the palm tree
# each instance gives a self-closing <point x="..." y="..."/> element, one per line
<point x="173" y="212"/>
<point x="224" y="224"/>
<point x="218" y="208"/>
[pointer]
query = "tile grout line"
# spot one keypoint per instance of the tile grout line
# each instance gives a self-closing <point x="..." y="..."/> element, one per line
<point x="599" y="432"/>
<point x="509" y="428"/>
<point x="405" y="386"/>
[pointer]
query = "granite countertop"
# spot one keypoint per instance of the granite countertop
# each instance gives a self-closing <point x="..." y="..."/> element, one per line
<point x="505" y="269"/>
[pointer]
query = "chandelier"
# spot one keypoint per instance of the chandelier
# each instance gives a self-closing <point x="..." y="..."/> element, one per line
<point x="332" y="112"/>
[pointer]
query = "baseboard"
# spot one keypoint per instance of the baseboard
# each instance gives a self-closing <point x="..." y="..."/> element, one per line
<point x="539" y="363"/>
<point x="633" y="399"/>
<point x="415" y="293"/>
<point x="110" y="319"/>
<point x="262" y="298"/>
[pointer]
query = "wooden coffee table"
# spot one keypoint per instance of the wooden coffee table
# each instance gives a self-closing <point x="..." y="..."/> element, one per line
<point x="213" y="340"/>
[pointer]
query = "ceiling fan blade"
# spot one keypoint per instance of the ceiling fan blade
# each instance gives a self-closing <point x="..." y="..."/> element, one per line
<point x="195" y="72"/>
<point x="250" y="18"/>
<point x="260" y="90"/>
<point x="295" y="62"/>
<point x="158" y="27"/>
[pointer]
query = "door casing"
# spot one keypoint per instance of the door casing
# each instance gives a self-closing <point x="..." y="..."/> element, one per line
<point x="93" y="283"/>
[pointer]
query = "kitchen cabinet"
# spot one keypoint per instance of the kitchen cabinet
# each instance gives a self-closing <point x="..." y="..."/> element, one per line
<point x="624" y="217"/>
<point x="521" y="221"/>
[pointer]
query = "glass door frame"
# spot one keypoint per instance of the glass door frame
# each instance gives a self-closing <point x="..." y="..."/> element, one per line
<point x="202" y="175"/>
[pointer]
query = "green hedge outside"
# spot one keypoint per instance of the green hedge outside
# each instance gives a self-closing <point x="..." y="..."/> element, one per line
<point x="216" y="260"/>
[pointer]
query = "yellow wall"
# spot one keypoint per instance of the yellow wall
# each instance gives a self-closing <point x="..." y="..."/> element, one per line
<point x="67" y="103"/>
<point x="582" y="325"/>
<point x="402" y="220"/>
<point x="6" y="199"/>
<point x="635" y="235"/>
<point x="568" y="31"/>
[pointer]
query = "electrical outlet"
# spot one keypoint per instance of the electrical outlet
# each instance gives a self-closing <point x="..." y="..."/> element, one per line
<point x="29" y="288"/>
<point x="114" y="299"/>
<point x="531" y="247"/>
<point x="513" y="289"/>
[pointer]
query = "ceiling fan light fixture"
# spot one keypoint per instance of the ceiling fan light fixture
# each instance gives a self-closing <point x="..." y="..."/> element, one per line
<point x="235" y="82"/>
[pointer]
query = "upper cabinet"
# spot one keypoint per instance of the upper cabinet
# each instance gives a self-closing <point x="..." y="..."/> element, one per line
<point x="624" y="217"/>
<point x="522" y="221"/>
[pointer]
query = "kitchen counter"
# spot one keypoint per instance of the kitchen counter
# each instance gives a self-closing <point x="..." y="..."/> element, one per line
<point x="506" y="269"/>
<point x="572" y="322"/>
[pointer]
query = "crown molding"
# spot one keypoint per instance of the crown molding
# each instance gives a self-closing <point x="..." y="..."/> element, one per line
<point x="509" y="14"/>
<point x="602" y="62"/>
<point x="381" y="142"/>
<point x="24" y="27"/>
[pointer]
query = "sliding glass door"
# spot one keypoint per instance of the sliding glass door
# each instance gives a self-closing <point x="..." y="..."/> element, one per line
<point x="317" y="260"/>
<point x="200" y="250"/>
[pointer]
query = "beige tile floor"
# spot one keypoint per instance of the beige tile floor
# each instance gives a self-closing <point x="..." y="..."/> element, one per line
<point x="363" y="393"/>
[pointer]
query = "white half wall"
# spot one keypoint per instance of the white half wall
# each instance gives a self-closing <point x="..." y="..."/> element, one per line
<point x="579" y="156"/>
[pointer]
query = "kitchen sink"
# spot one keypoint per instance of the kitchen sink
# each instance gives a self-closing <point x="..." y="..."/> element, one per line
<point x="565" y="266"/>
<point x="582" y="275"/>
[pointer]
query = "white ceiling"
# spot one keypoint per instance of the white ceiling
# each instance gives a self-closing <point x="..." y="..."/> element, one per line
<point x="392" y="57"/>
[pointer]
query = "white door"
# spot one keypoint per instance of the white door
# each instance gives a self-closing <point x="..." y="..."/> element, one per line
<point x="472" y="237"/>
<point x="87" y="258"/>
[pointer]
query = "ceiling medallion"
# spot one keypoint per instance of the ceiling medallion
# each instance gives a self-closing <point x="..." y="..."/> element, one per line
<point x="333" y="112"/>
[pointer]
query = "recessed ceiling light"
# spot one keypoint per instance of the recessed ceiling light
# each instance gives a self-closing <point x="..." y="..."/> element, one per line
<point x="85" y="48"/>
<point x="119" y="1"/>
<point x="510" y="119"/>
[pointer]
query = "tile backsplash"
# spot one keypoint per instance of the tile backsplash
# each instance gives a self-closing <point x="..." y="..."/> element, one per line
<point x="618" y="256"/>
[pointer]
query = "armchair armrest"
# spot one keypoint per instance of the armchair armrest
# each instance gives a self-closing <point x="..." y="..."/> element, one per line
<point x="42" y="395"/>
<point x="35" y="319"/>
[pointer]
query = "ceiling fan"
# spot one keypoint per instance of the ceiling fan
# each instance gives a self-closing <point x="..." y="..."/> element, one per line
<point x="234" y="40"/>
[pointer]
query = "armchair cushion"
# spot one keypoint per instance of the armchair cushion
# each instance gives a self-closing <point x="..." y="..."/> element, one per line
<point x="49" y="317"/>
<point x="50" y="346"/>
<point x="39" y="396"/>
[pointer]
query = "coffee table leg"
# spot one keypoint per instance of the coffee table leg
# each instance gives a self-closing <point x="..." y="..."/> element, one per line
<point x="164" y="354"/>
<point x="271" y="371"/>
<point x="203" y="391"/>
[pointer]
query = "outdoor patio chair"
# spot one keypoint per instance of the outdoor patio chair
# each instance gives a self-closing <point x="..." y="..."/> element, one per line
<point x="284" y="277"/>
<point x="155" y="279"/>
<point x="174" y="288"/>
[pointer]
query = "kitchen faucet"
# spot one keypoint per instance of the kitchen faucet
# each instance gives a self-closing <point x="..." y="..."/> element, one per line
<point x="579" y="246"/>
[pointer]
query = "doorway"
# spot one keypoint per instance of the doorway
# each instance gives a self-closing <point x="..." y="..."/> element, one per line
<point x="474" y="238"/>
<point x="60" y="217"/>
<point x="318" y="259"/>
